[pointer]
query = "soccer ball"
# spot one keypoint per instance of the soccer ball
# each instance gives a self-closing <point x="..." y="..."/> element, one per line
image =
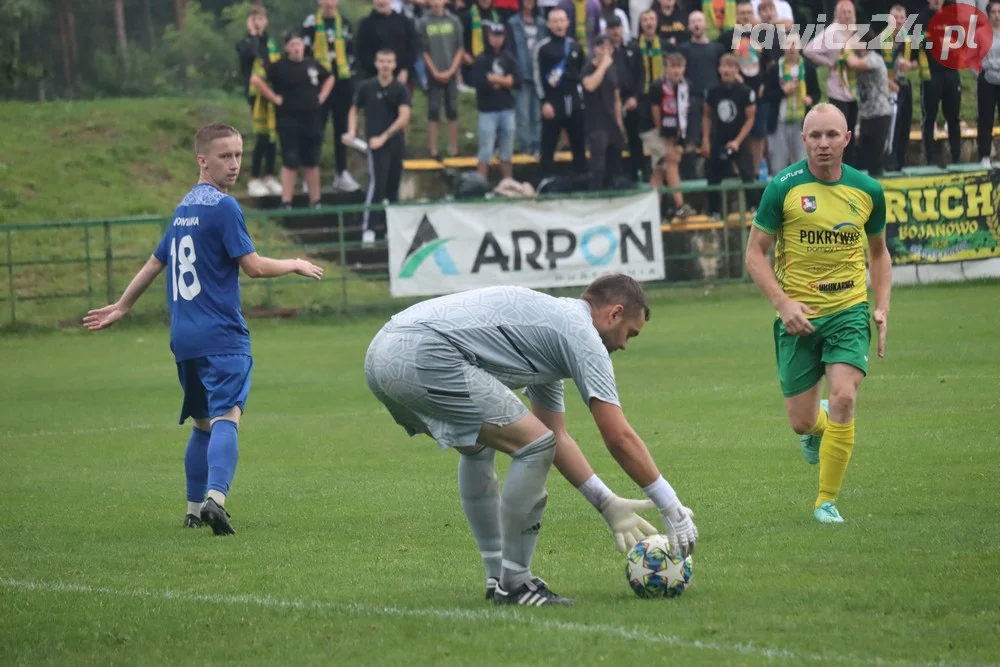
<point x="654" y="571"/>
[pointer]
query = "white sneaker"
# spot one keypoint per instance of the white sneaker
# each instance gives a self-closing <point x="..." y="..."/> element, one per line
<point x="368" y="238"/>
<point x="273" y="185"/>
<point x="257" y="188"/>
<point x="986" y="162"/>
<point x="345" y="182"/>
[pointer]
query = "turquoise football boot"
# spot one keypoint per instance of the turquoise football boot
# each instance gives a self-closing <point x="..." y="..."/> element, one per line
<point x="827" y="513"/>
<point x="810" y="443"/>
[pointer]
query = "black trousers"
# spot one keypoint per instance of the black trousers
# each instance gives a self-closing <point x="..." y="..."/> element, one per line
<point x="901" y="134"/>
<point x="872" y="148"/>
<point x="336" y="108"/>
<point x="944" y="90"/>
<point x="385" y="167"/>
<point x="850" y="110"/>
<point x="718" y="166"/>
<point x="573" y="124"/>
<point x="988" y="105"/>
<point x="264" y="152"/>
<point x="636" y="159"/>
<point x="605" y="158"/>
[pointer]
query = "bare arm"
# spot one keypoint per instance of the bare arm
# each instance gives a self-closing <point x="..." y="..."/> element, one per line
<point x="102" y="318"/>
<point x="857" y="63"/>
<point x="591" y="83"/>
<point x="265" y="89"/>
<point x="569" y="461"/>
<point x="402" y="120"/>
<point x="793" y="314"/>
<point x="618" y="112"/>
<point x="706" y="128"/>
<point x="324" y="91"/>
<point x="256" y="266"/>
<point x="760" y="269"/>
<point x="880" y="265"/>
<point x="624" y="443"/>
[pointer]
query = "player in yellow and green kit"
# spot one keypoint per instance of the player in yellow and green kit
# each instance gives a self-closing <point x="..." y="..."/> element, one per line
<point x="818" y="213"/>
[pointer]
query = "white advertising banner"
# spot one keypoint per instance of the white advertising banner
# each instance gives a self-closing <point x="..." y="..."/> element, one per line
<point x="450" y="247"/>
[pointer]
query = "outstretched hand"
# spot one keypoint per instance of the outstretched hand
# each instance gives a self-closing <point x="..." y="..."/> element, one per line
<point x="308" y="269"/>
<point x="627" y="526"/>
<point x="102" y="318"/>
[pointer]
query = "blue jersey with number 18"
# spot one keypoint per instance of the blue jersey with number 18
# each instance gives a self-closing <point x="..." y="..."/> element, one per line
<point x="201" y="249"/>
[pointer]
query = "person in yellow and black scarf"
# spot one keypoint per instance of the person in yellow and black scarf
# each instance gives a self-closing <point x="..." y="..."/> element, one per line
<point x="899" y="60"/>
<point x="476" y="21"/>
<point x="298" y="86"/>
<point x="584" y="21"/>
<point x="329" y="38"/>
<point x="827" y="50"/>
<point x="256" y="49"/>
<point x="791" y="87"/>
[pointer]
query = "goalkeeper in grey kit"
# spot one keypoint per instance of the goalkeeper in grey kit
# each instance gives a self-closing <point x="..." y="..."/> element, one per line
<point x="446" y="368"/>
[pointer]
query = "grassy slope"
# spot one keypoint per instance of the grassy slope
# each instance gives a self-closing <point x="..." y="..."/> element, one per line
<point x="337" y="510"/>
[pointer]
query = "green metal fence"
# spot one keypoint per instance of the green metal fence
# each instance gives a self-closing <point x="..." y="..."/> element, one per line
<point x="56" y="271"/>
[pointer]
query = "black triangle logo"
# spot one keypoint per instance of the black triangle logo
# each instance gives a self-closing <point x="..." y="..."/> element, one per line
<point x="425" y="234"/>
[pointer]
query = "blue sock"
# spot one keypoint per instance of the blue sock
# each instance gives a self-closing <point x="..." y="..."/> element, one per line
<point x="223" y="452"/>
<point x="196" y="465"/>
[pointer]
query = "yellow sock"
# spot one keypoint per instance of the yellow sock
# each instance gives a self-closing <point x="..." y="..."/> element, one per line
<point x="821" y="423"/>
<point x="834" y="454"/>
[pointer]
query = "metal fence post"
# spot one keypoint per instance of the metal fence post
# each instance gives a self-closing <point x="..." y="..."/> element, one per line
<point x="268" y="284"/>
<point x="10" y="276"/>
<point x="343" y="262"/>
<point x="107" y="262"/>
<point x="90" y="273"/>
<point x="743" y="243"/>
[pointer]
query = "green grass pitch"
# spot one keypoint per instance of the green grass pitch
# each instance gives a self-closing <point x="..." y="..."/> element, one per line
<point x="352" y="547"/>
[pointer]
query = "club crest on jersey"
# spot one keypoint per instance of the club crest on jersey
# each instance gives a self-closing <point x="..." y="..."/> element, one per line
<point x="808" y="204"/>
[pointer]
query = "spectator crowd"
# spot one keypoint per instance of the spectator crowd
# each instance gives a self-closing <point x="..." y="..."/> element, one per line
<point x="682" y="86"/>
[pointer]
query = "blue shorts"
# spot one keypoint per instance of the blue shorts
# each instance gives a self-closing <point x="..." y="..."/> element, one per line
<point x="214" y="385"/>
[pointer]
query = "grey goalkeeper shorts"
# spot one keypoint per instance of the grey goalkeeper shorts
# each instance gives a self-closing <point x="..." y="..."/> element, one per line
<point x="429" y="387"/>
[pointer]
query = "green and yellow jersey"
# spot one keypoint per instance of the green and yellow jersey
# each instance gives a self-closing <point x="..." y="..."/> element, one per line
<point x="820" y="231"/>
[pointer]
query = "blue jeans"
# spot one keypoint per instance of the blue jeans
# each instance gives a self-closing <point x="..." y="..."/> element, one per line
<point x="529" y="119"/>
<point x="496" y="131"/>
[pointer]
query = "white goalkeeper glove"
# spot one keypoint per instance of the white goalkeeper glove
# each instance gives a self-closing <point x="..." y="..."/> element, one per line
<point x="626" y="526"/>
<point x="682" y="534"/>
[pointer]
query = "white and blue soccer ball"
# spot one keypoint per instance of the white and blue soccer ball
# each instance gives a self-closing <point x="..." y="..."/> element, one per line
<point x="654" y="571"/>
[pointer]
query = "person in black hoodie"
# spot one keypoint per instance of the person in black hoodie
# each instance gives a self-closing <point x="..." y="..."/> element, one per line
<point x="386" y="29"/>
<point x="494" y="74"/>
<point x="329" y="38"/>
<point x="558" y="62"/>
<point x="257" y="50"/>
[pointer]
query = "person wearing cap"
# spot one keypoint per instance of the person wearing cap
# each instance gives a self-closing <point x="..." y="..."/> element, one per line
<point x="602" y="108"/>
<point x="298" y="87"/>
<point x="611" y="12"/>
<point x="494" y="75"/>
<point x="628" y="67"/>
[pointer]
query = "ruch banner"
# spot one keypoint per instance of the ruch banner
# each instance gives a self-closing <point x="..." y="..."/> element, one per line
<point x="450" y="247"/>
<point x="943" y="218"/>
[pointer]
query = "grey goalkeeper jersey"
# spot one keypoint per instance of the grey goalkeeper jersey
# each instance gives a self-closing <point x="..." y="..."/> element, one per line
<point x="523" y="338"/>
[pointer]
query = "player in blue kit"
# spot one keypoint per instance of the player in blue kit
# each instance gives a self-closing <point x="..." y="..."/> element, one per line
<point x="205" y="247"/>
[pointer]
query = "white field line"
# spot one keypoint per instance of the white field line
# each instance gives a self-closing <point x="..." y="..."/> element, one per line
<point x="11" y="435"/>
<point x="535" y="619"/>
